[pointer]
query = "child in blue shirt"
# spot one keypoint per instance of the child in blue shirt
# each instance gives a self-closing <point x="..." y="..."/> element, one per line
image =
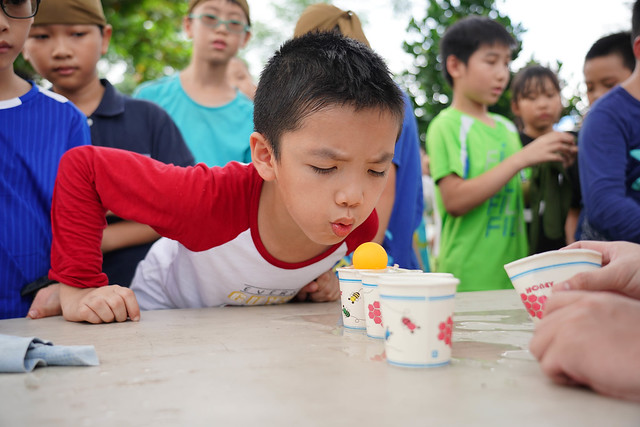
<point x="36" y="128"/>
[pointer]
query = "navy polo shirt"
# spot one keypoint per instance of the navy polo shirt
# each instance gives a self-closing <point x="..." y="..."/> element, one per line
<point x="142" y="127"/>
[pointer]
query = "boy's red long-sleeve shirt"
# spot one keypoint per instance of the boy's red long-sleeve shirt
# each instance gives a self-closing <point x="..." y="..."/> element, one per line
<point x="211" y="212"/>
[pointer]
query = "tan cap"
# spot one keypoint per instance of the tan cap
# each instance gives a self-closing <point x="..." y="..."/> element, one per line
<point x="70" y="12"/>
<point x="325" y="17"/>
<point x="242" y="3"/>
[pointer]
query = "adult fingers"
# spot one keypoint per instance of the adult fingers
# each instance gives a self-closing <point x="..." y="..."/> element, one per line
<point x="561" y="300"/>
<point x="588" y="244"/>
<point x="553" y="364"/>
<point x="596" y="280"/>
<point x="552" y="323"/>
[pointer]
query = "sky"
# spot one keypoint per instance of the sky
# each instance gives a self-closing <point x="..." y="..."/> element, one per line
<point x="556" y="29"/>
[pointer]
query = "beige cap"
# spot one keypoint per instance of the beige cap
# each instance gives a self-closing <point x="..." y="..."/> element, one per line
<point x="70" y="12"/>
<point x="325" y="17"/>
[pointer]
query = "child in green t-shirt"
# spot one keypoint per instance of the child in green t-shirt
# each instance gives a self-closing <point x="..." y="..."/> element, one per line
<point x="476" y="156"/>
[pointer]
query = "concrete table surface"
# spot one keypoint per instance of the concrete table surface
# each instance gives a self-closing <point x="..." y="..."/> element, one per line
<point x="294" y="364"/>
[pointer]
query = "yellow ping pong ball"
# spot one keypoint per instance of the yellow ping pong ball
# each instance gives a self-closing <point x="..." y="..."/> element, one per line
<point x="370" y="256"/>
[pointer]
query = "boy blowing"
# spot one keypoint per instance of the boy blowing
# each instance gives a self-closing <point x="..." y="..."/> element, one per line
<point x="36" y="128"/>
<point x="476" y="156"/>
<point x="64" y="46"/>
<point x="327" y="116"/>
<point x="400" y="206"/>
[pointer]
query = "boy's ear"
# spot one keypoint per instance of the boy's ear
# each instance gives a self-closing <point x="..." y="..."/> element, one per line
<point x="247" y="37"/>
<point x="107" y="31"/>
<point x="186" y="26"/>
<point x="514" y="108"/>
<point x="455" y="66"/>
<point x="262" y="156"/>
<point x="636" y="48"/>
<point x="25" y="54"/>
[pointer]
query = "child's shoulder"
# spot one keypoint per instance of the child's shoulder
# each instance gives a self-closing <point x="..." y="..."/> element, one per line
<point x="45" y="101"/>
<point x="242" y="103"/>
<point x="504" y="122"/>
<point x="448" y="118"/>
<point x="158" y="86"/>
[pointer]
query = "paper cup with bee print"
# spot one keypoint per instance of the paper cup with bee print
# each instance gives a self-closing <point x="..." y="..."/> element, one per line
<point x="351" y="298"/>
<point x="417" y="312"/>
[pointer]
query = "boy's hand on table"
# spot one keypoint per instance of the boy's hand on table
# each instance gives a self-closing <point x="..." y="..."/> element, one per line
<point x="591" y="338"/>
<point x="46" y="302"/>
<point x="325" y="288"/>
<point x="99" y="305"/>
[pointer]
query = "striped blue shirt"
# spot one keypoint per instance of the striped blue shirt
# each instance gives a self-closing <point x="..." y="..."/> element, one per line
<point x="35" y="130"/>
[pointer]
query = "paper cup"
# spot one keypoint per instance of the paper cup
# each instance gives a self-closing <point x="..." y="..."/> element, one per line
<point x="417" y="312"/>
<point x="371" y="298"/>
<point x="533" y="277"/>
<point x="353" y="316"/>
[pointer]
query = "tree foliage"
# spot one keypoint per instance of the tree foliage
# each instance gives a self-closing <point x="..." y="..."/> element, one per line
<point x="147" y="37"/>
<point x="425" y="82"/>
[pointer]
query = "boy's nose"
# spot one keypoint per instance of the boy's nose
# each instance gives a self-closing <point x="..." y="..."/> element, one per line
<point x="4" y="22"/>
<point x="350" y="196"/>
<point x="61" y="50"/>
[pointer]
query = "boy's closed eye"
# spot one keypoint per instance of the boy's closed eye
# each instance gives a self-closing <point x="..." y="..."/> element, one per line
<point x="323" y="171"/>
<point x="326" y="171"/>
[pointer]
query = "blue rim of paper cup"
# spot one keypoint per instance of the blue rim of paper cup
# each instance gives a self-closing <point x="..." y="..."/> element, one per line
<point x="444" y="288"/>
<point x="417" y="298"/>
<point x="515" y="269"/>
<point x="552" y="267"/>
<point x="418" y="365"/>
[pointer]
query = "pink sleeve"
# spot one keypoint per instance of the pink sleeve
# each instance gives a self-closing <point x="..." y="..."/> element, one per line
<point x="191" y="205"/>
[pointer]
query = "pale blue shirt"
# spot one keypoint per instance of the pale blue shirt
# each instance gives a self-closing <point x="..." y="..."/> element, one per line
<point x="215" y="135"/>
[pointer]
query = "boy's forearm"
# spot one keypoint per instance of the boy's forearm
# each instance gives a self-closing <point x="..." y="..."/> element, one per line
<point x="462" y="195"/>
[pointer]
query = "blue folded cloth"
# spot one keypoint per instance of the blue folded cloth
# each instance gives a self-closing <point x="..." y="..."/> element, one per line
<point x="23" y="354"/>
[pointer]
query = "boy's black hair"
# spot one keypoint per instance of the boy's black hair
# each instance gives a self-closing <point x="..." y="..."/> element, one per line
<point x="618" y="43"/>
<point x="530" y="79"/>
<point x="317" y="71"/>
<point x="467" y="35"/>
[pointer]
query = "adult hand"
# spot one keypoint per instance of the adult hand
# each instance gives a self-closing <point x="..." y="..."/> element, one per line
<point x="325" y="288"/>
<point x="620" y="270"/>
<point x="99" y="305"/>
<point x="46" y="303"/>
<point x="591" y="339"/>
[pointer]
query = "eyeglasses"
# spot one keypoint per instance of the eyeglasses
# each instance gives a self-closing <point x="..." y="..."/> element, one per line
<point x="212" y="21"/>
<point x="20" y="9"/>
